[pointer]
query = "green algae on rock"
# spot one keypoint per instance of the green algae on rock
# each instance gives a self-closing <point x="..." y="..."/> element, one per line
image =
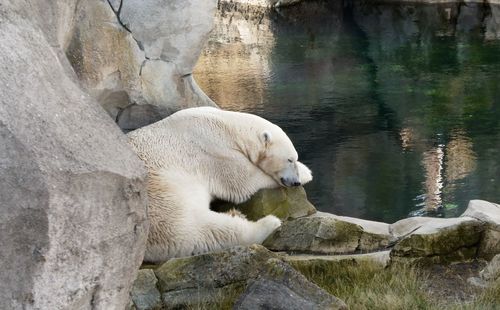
<point x="441" y="241"/>
<point x="220" y="277"/>
<point x="285" y="203"/>
<point x="326" y="235"/>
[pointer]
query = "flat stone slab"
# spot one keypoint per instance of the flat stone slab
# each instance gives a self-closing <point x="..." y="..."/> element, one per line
<point x="484" y="211"/>
<point x="406" y="226"/>
<point x="442" y="240"/>
<point x="326" y="235"/>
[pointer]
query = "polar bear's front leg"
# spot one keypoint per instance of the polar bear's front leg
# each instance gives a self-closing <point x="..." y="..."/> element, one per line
<point x="222" y="230"/>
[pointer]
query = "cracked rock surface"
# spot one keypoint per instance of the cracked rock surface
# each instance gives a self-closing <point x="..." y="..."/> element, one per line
<point x="136" y="57"/>
<point x="285" y="203"/>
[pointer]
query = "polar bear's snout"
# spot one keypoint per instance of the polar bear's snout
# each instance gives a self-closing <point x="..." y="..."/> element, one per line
<point x="290" y="183"/>
<point x="290" y="176"/>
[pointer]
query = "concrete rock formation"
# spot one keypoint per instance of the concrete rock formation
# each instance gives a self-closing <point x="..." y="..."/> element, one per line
<point x="73" y="220"/>
<point x="251" y="277"/>
<point x="285" y="203"/>
<point x="136" y="57"/>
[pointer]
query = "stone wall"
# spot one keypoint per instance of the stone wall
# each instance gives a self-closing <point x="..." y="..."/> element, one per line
<point x="73" y="221"/>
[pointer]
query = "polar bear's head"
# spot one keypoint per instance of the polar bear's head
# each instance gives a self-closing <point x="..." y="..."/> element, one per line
<point x="279" y="159"/>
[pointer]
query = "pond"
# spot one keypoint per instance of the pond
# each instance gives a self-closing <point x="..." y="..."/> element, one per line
<point x="394" y="107"/>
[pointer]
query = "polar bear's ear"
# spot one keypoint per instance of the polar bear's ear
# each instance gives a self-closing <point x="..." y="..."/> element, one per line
<point x="265" y="137"/>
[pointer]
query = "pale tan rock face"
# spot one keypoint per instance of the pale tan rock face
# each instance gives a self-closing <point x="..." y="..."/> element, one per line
<point x="140" y="53"/>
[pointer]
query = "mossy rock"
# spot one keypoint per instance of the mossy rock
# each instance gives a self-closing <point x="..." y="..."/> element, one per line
<point x="217" y="280"/>
<point x="441" y="241"/>
<point x="283" y="287"/>
<point x="285" y="203"/>
<point x="325" y="235"/>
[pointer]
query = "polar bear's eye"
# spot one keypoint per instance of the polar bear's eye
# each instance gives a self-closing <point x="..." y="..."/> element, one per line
<point x="290" y="160"/>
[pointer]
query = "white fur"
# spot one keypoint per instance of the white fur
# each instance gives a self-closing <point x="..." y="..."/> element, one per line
<point x="199" y="154"/>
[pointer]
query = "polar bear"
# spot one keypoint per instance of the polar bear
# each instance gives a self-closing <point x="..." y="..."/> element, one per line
<point x="198" y="154"/>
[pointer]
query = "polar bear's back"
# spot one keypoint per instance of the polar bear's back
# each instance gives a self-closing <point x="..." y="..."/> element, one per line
<point x="192" y="136"/>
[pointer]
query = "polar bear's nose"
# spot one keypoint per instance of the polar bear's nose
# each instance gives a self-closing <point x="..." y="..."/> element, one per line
<point x="288" y="182"/>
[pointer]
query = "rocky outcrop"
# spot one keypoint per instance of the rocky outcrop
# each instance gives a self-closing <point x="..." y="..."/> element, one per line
<point x="415" y="240"/>
<point x="285" y="203"/>
<point x="325" y="233"/>
<point x="73" y="219"/>
<point x="136" y="57"/>
<point x="441" y="240"/>
<point x="248" y="277"/>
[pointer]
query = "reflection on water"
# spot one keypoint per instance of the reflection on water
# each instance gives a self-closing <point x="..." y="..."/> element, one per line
<point x="396" y="108"/>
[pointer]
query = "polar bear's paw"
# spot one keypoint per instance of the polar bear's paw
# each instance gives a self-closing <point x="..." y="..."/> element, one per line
<point x="305" y="174"/>
<point x="265" y="226"/>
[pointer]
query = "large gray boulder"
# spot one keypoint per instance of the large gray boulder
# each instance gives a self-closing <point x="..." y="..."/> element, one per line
<point x="283" y="288"/>
<point x="73" y="211"/>
<point x="218" y="278"/>
<point x="325" y="235"/>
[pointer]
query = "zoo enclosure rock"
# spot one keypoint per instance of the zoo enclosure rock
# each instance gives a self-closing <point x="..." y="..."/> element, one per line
<point x="73" y="221"/>
<point x="136" y="57"/>
<point x="225" y="275"/>
<point x="488" y="213"/>
<point x="325" y="233"/>
<point x="441" y="240"/>
<point x="285" y="203"/>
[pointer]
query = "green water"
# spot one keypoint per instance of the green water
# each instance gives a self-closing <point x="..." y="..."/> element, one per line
<point x="395" y="108"/>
